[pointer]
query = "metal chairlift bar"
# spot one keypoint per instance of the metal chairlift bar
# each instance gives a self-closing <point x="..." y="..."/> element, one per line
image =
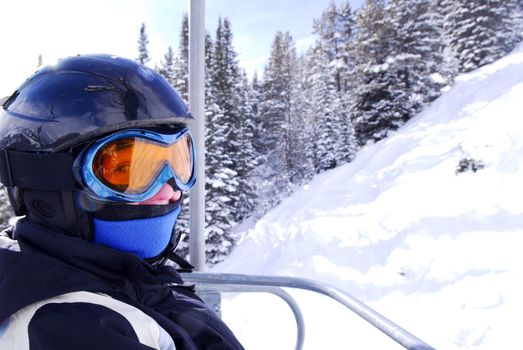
<point x="293" y="305"/>
<point x="401" y="336"/>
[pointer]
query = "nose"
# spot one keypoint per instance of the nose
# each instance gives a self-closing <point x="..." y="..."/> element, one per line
<point x="164" y="196"/>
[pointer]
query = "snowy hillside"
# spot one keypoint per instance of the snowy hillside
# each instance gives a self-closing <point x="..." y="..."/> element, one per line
<point x="433" y="248"/>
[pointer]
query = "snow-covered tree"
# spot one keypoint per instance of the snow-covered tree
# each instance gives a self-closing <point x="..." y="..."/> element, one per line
<point x="481" y="31"/>
<point x="372" y="102"/>
<point x="246" y="158"/>
<point x="519" y="20"/>
<point x="301" y="126"/>
<point x="167" y="67"/>
<point x="346" y="25"/>
<point x="181" y="63"/>
<point x="416" y="64"/>
<point x="331" y="63"/>
<point x="334" y="30"/>
<point x="6" y="212"/>
<point x="443" y="9"/>
<point x="325" y="111"/>
<point x="143" y="53"/>
<point x="223" y="144"/>
<point x="273" y="128"/>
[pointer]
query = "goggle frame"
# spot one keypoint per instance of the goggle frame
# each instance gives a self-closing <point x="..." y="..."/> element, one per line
<point x="100" y="191"/>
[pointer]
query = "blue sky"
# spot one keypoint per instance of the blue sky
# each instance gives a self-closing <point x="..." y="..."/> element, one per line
<point x="60" y="28"/>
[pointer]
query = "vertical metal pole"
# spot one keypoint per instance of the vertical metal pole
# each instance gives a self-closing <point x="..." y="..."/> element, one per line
<point x="197" y="106"/>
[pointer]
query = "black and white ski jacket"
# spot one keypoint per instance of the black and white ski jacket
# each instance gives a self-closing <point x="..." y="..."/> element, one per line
<point x="62" y="293"/>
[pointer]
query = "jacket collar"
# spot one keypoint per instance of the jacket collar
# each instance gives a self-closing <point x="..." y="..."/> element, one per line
<point x="50" y="263"/>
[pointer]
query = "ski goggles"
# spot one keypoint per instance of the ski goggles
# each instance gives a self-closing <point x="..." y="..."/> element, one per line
<point x="134" y="164"/>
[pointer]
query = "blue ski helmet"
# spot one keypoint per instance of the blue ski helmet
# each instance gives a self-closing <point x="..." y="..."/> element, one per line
<point x="82" y="97"/>
<point x="63" y="106"/>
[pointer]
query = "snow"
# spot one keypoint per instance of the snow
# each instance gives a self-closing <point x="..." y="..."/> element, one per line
<point x="435" y="250"/>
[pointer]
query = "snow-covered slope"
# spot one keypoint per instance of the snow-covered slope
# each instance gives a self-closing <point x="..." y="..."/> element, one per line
<point x="435" y="250"/>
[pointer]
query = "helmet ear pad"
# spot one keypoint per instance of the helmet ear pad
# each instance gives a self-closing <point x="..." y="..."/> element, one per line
<point x="58" y="210"/>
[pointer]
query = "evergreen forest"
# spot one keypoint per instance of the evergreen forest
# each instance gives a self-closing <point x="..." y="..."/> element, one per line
<point x="368" y="72"/>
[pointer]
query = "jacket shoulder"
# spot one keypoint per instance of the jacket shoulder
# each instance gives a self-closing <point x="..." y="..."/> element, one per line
<point x="82" y="320"/>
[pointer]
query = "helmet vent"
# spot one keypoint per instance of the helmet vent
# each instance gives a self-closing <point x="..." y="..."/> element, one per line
<point x="43" y="208"/>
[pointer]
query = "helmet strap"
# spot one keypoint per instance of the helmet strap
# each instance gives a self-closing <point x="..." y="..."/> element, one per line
<point x="17" y="169"/>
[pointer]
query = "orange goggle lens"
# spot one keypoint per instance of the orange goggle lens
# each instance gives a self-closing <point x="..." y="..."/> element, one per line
<point x="132" y="164"/>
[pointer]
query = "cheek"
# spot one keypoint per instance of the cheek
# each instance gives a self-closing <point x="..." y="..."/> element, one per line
<point x="164" y="196"/>
<point x="176" y="196"/>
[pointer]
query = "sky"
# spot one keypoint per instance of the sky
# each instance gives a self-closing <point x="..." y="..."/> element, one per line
<point x="435" y="250"/>
<point x="61" y="28"/>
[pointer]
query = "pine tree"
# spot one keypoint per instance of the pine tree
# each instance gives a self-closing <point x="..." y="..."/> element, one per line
<point x="482" y="31"/>
<point x="325" y="111"/>
<point x="301" y="126"/>
<point x="372" y="107"/>
<point x="143" y="53"/>
<point x="255" y="177"/>
<point x="331" y="67"/>
<point x="246" y="159"/>
<point x="415" y="64"/>
<point x="181" y="64"/>
<point x="346" y="25"/>
<point x="274" y="134"/>
<point x="167" y="67"/>
<point x="346" y="28"/>
<point x="518" y="18"/>
<point x="349" y="143"/>
<point x="399" y="65"/>
<point x="450" y="65"/>
<point x="184" y="39"/>
<point x="223" y="145"/>
<point x="226" y="73"/>
<point x="256" y="89"/>
<point x="335" y="30"/>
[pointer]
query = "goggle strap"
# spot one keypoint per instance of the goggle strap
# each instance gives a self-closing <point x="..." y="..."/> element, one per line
<point x="47" y="171"/>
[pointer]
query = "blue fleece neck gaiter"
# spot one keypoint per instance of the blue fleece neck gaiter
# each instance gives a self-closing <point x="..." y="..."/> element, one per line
<point x="146" y="238"/>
